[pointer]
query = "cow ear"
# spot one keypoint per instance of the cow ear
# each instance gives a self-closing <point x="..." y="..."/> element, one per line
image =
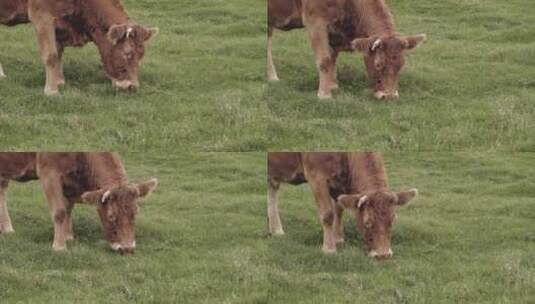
<point x="404" y="197"/>
<point x="93" y="197"/>
<point x="116" y="33"/>
<point x="151" y="32"/>
<point x="411" y="42"/>
<point x="352" y="200"/>
<point x="366" y="45"/>
<point x="147" y="187"/>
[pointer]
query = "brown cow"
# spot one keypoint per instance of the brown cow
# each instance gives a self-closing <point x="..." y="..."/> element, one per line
<point x="97" y="179"/>
<point x="61" y="23"/>
<point x="355" y="182"/>
<point x="333" y="26"/>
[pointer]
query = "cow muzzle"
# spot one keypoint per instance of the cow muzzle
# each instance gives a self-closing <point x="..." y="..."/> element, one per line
<point x="380" y="254"/>
<point x="382" y="95"/>
<point x="126" y="85"/>
<point x="123" y="248"/>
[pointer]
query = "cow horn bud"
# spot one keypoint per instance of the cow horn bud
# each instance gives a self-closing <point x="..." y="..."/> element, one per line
<point x="105" y="196"/>
<point x="376" y="44"/>
<point x="128" y="32"/>
<point x="362" y="201"/>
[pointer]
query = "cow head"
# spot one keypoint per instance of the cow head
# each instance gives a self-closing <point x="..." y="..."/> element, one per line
<point x="122" y="58"/>
<point x="375" y="214"/>
<point x="384" y="59"/>
<point x="117" y="208"/>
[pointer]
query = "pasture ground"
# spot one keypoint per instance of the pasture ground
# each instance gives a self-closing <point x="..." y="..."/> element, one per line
<point x="202" y="85"/>
<point x="470" y="86"/>
<point x="468" y="238"/>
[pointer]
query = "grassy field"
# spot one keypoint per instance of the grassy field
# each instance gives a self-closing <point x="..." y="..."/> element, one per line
<point x="468" y="238"/>
<point x="470" y="86"/>
<point x="202" y="85"/>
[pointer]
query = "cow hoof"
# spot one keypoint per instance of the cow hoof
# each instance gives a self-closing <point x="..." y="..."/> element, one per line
<point x="325" y="96"/>
<point x="6" y="229"/>
<point x="2" y="76"/>
<point x="329" y="250"/>
<point x="277" y="232"/>
<point x="58" y="248"/>
<point x="273" y="78"/>
<point x="49" y="92"/>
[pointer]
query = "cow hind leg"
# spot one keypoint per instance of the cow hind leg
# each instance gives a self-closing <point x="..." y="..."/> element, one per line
<point x="338" y="225"/>
<point x="69" y="234"/>
<point x="271" y="71"/>
<point x="2" y="74"/>
<point x="58" y="206"/>
<point x="324" y="58"/>
<point x="5" y="220"/>
<point x="61" y="76"/>
<point x="333" y="81"/>
<point x="274" y="221"/>
<point x="43" y="23"/>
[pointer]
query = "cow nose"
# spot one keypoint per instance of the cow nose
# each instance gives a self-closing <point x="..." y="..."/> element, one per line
<point x="381" y="95"/>
<point x="382" y="254"/>
<point x="126" y="250"/>
<point x="123" y="249"/>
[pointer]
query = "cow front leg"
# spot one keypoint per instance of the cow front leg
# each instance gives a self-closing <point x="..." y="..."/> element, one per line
<point x="5" y="220"/>
<point x="2" y="75"/>
<point x="338" y="224"/>
<point x="271" y="72"/>
<point x="58" y="206"/>
<point x="323" y="199"/>
<point x="274" y="221"/>
<point x="43" y="23"/>
<point x="325" y="60"/>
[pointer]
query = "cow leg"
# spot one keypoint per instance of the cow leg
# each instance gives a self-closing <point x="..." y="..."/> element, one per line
<point x="323" y="199"/>
<point x="69" y="235"/>
<point x="58" y="206"/>
<point x="2" y="75"/>
<point x="324" y="58"/>
<point x="43" y="23"/>
<point x="61" y="76"/>
<point x="271" y="72"/>
<point x="333" y="81"/>
<point x="338" y="225"/>
<point x="5" y="221"/>
<point x="274" y="221"/>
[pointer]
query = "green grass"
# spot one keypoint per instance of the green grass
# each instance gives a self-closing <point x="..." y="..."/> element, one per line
<point x="468" y="238"/>
<point x="202" y="85"/>
<point x="470" y="86"/>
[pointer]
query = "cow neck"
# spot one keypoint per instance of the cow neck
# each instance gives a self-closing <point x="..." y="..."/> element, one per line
<point x="367" y="172"/>
<point x="107" y="170"/>
<point x="100" y="16"/>
<point x="373" y="18"/>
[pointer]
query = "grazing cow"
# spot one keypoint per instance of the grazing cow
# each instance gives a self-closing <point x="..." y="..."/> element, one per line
<point x="355" y="182"/>
<point x="61" y="23"/>
<point x="345" y="25"/>
<point x="98" y="179"/>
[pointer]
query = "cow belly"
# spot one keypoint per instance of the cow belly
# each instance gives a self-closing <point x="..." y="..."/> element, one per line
<point x="13" y="12"/>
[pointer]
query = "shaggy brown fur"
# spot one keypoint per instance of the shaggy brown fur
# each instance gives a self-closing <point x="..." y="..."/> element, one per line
<point x="97" y="179"/>
<point x="356" y="182"/>
<point x="62" y="23"/>
<point x="333" y="26"/>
